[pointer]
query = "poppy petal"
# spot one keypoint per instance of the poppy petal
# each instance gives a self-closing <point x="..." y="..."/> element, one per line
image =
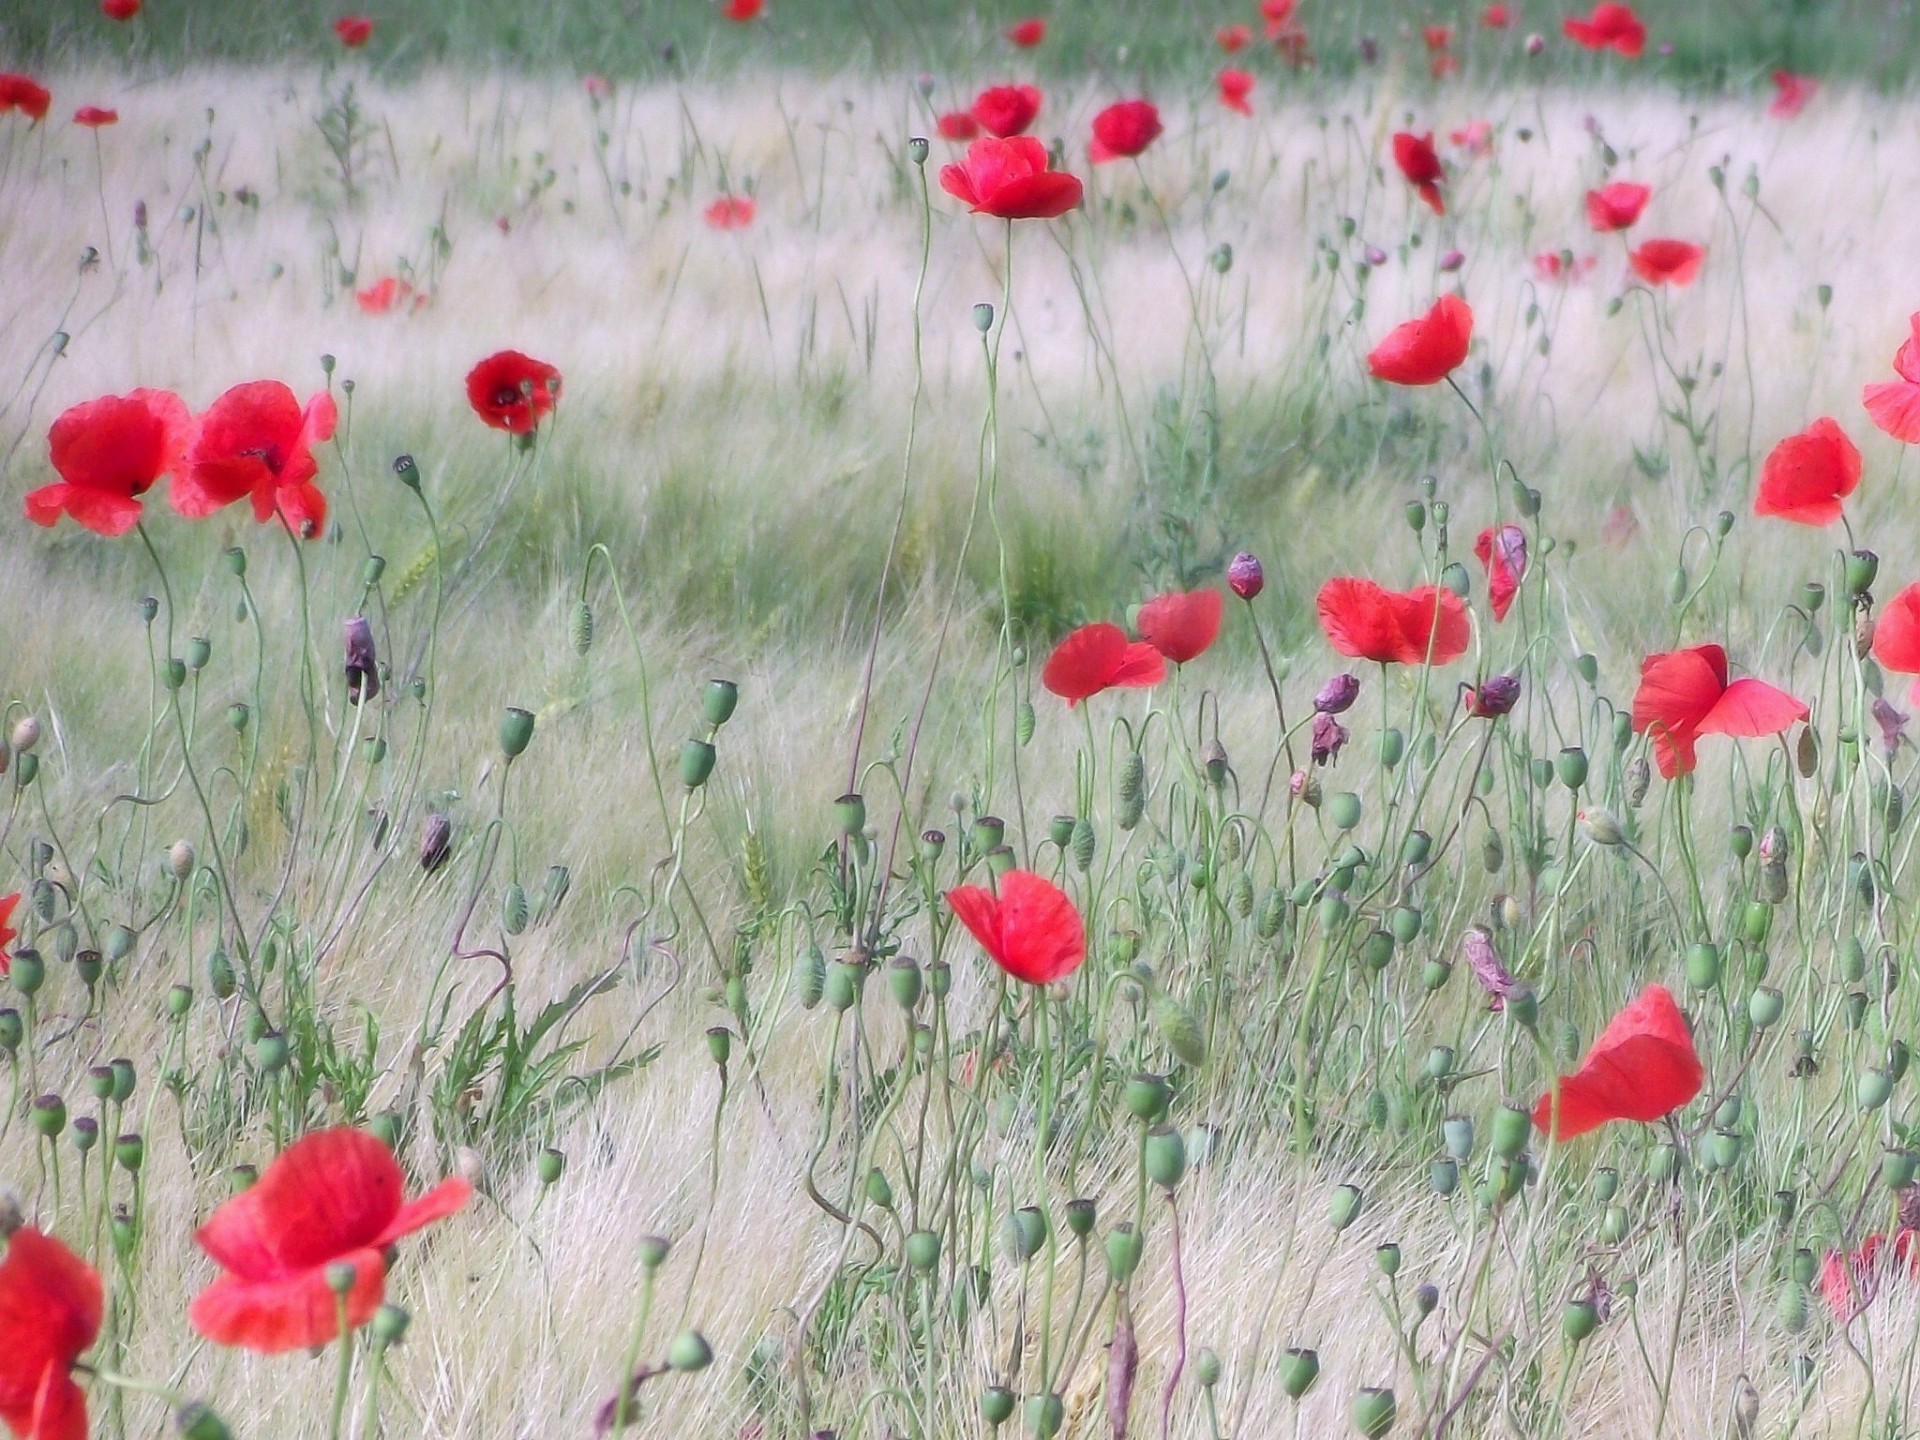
<point x="443" y="1200"/>
<point x="1031" y="929"/>
<point x="1641" y="1067"/>
<point x="1181" y="625"/>
<point x="1083" y="664"/>
<point x="1427" y="350"/>
<point x="1141" y="667"/>
<point x="333" y="1192"/>
<point x="1894" y="406"/>
<point x="1806" y="476"/>
<point x="292" y="1312"/>
<point x="1751" y="708"/>
<point x="50" y="1308"/>
<point x="1896" y="632"/>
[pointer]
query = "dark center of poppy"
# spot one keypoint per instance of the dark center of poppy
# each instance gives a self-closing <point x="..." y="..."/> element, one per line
<point x="269" y="456"/>
<point x="507" y="396"/>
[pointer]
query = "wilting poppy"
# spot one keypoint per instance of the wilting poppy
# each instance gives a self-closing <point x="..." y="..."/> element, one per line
<point x="7" y="933"/>
<point x="1328" y="738"/>
<point x="1476" y="947"/>
<point x="1896" y="637"/>
<point x="1642" y="1067"/>
<point x="1492" y="697"/>
<point x="1027" y="33"/>
<point x="1393" y="627"/>
<point x="1475" y="137"/>
<point x="1894" y="405"/>
<point x="1609" y="27"/>
<point x="1806" y="476"/>
<point x="741" y="11"/>
<point x="381" y="297"/>
<point x="1010" y="179"/>
<point x="353" y="30"/>
<point x="1414" y="155"/>
<point x="731" y="212"/>
<point x="335" y="1197"/>
<point x="95" y="116"/>
<point x="256" y="440"/>
<point x="1099" y="657"/>
<point x="50" y="1304"/>
<point x="1235" y="87"/>
<point x="1123" y="130"/>
<point x="1007" y="110"/>
<point x="1181" y="625"/>
<point x="362" y="665"/>
<point x="511" y="391"/>
<point x="1791" y="94"/>
<point x="119" y="9"/>
<point x="29" y="97"/>
<point x="1503" y="553"/>
<point x="1233" y="38"/>
<point x="1559" y="265"/>
<point x="1496" y="17"/>
<point x="1617" y="206"/>
<point x="1030" y="929"/>
<point x="108" y="453"/>
<point x="958" y="125"/>
<point x="1892" y="722"/>
<point x="1685" y="694"/>
<point x="1427" y="350"/>
<point x="1667" y="262"/>
<point x="1850" y="1279"/>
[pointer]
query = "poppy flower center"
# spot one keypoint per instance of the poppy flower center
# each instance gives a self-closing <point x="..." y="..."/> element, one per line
<point x="269" y="456"/>
<point x="507" y="396"/>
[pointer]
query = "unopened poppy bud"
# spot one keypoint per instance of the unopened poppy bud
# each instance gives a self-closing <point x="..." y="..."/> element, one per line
<point x="879" y="1188"/>
<point x="12" y="1031"/>
<point x="516" y="731"/>
<point x="996" y="1404"/>
<point x="721" y="699"/>
<point x="1221" y="258"/>
<point x="436" y="841"/>
<point x="1337" y="695"/>
<point x="25" y="734"/>
<point x="917" y="150"/>
<point x="1124" y="1247"/>
<point x="1374" y="1412"/>
<point x="1206" y="1368"/>
<point x="1166" y="1156"/>
<point x="1245" y="577"/>
<point x="180" y="859"/>
<point x="29" y="971"/>
<point x="689" y="1353"/>
<point x="179" y="1000"/>
<point x="1601" y="826"/>
<point x="271" y="1052"/>
<point x="1343" y="1208"/>
<point x="1494" y="696"/>
<point x="198" y="1422"/>
<point x="983" y="317"/>
<point x="1896" y="1169"/>
<point x="653" y="1251"/>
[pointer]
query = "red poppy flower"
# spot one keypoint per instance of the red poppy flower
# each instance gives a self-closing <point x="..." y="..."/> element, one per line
<point x="1894" y="405"/>
<point x="1007" y="110"/>
<point x="1807" y="475"/>
<point x="108" y="453"/>
<point x="1667" y="262"/>
<point x="1554" y="265"/>
<point x="94" y="116"/>
<point x="1123" y="130"/>
<point x="1896" y="637"/>
<point x="741" y="11"/>
<point x="381" y="297"/>
<point x="511" y="391"/>
<point x="1617" y="206"/>
<point x="353" y="30"/>
<point x="1010" y="179"/>
<point x="1291" y="45"/>
<point x="1278" y="15"/>
<point x="1414" y="155"/>
<point x="1233" y="38"/>
<point x="1850" y="1280"/>
<point x="1030" y="928"/>
<point x="1099" y="657"/>
<point x="731" y="212"/>
<point x="1427" y="350"/>
<point x="1503" y="553"/>
<point x="1791" y="94"/>
<point x="334" y="1197"/>
<point x="1181" y="625"/>
<point x="50" y="1304"/>
<point x="1027" y="33"/>
<point x="598" y="87"/>
<point x="7" y="933"/>
<point x="958" y="125"/>
<point x="256" y="440"/>
<point x="1684" y="694"/>
<point x="1496" y="17"/>
<point x="1235" y="87"/>
<point x="119" y="9"/>
<point x="1393" y="627"/>
<point x="1475" y="137"/>
<point x="1609" y="27"/>
<point x="1438" y="37"/>
<point x="1642" y="1066"/>
<point x="30" y="98"/>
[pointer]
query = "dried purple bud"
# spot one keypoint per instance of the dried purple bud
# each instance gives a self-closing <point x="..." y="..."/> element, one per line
<point x="1328" y="736"/>
<point x="1453" y="260"/>
<point x="1337" y="695"/>
<point x="1893" y="724"/>
<point x="1476" y="948"/>
<point x="363" y="672"/>
<point x="1369" y="50"/>
<point x="1496" y="696"/>
<point x="436" y="843"/>
<point x="1536" y="44"/>
<point x="1376" y="257"/>
<point x="1244" y="575"/>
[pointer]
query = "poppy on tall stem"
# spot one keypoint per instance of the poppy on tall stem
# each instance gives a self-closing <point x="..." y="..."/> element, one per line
<point x="1009" y="179"/>
<point x="1502" y="551"/>
<point x="256" y="441"/>
<point x="1360" y="619"/>
<point x="1181" y="625"/>
<point x="1685" y="694"/>
<point x="1235" y="87"/>
<point x="513" y="392"/>
<point x="1667" y="262"/>
<point x="1806" y="476"/>
<point x="108" y="453"/>
<point x="1099" y="657"/>
<point x="1642" y="1067"/>
<point x="1030" y="928"/>
<point x="1608" y="27"/>
<point x="1005" y="111"/>
<point x="1617" y="206"/>
<point x="1427" y="350"/>
<point x="1415" y="157"/>
<point x="28" y="96"/>
<point x="1123" y="130"/>
<point x="1896" y="637"/>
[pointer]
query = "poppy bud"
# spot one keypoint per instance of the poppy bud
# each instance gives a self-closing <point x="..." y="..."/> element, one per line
<point x="879" y="1189"/>
<point x="198" y="1422"/>
<point x="272" y="1052"/>
<point x="1145" y="1096"/>
<point x="1299" y="1368"/>
<point x="1494" y="697"/>
<point x="996" y="1405"/>
<point x="653" y="1251"/>
<point x="29" y="971"/>
<point x="1344" y="1206"/>
<point x="1131" y="790"/>
<point x="1337" y="695"/>
<point x="1206" y="1368"/>
<point x="550" y="1164"/>
<point x="1124" y="1247"/>
<point x="1873" y="1090"/>
<point x="1045" y="1414"/>
<point x="1221" y="258"/>
<point x="718" y="704"/>
<point x="1896" y="1169"/>
<point x="983" y="317"/>
<point x="1374" y="1412"/>
<point x="689" y="1352"/>
<point x="436" y="841"/>
<point x="1601" y="826"/>
<point x="1166" y="1156"/>
<point x="1081" y="843"/>
<point x="1792" y="1307"/>
<point x="696" y="763"/>
<point x="1245" y="576"/>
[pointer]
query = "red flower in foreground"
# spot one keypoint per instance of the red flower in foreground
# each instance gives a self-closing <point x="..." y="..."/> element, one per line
<point x="1609" y="27"/>
<point x="50" y="1304"/>
<point x="1496" y="17"/>
<point x="1099" y="657"/>
<point x="1642" y="1066"/>
<point x="381" y="297"/>
<point x="108" y="453"/>
<point x="1030" y="928"/>
<point x="1667" y="262"/>
<point x="1181" y="625"/>
<point x="256" y="440"/>
<point x="1849" y="1280"/>
<point x="958" y="125"/>
<point x="353" y="30"/>
<point x="1414" y="155"/>
<point x="1425" y="351"/>
<point x="1896" y="637"/>
<point x="334" y="1197"/>
<point x="1010" y="179"/>
<point x="731" y="212"/>
<point x="741" y="11"/>
<point x="119" y="9"/>
<point x="7" y="933"/>
<point x="1233" y="38"/>
<point x="94" y="116"/>
<point x="1235" y="86"/>
<point x="29" y="97"/>
<point x="1806" y="476"/>
<point x="1503" y="553"/>
<point x="1791" y="94"/>
<point x="1027" y="33"/>
<point x="1123" y="130"/>
<point x="1894" y="405"/>
<point x="1617" y="206"/>
<point x="1007" y="110"/>
<point x="1684" y="694"/>
<point x="511" y="391"/>
<point x="1393" y="627"/>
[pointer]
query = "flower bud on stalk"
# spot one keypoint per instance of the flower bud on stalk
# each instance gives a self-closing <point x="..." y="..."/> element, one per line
<point x="1245" y="577"/>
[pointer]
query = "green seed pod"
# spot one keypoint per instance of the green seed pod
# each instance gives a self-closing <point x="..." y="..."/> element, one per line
<point x="1343" y="1208"/>
<point x="550" y="1164"/>
<point x="689" y="1353"/>
<point x="1874" y="1089"/>
<point x="271" y="1052"/>
<point x="1854" y="1007"/>
<point x="1439" y="1063"/>
<point x="903" y="979"/>
<point x="1404" y="922"/>
<point x="1523" y="1008"/>
<point x="12" y="1031"/>
<point x="1343" y="809"/>
<point x="1729" y="1115"/>
<point x="1578" y="1320"/>
<point x="1415" y="849"/>
<point x="29" y="971"/>
<point x="1132" y="790"/>
<point x="1179" y="1028"/>
<point x="125" y="1078"/>
<point x="179" y="1001"/>
<point x="718" y="704"/>
<point x="850" y="813"/>
<point x="1444" y="1176"/>
<point x="1334" y="910"/>
<point x="1387" y="1259"/>
<point x="515" y="910"/>
<point x="1435" y="973"/>
<point x="130" y="1153"/>
<point x="1299" y="1368"/>
<point x="1375" y="1411"/>
<point x="88" y="966"/>
<point x="85" y="1134"/>
<point x="1725" y="1146"/>
<point x="1393" y="747"/>
<point x="100" y="1081"/>
<point x="696" y="763"/>
<point x="1376" y="951"/>
<point x="1023" y="721"/>
<point x="1756" y="921"/>
<point x="923" y="1250"/>
<point x="1792" y="1307"/>
<point x="1060" y="830"/>
<point x="1001" y="859"/>
<point x="1861" y="569"/>
<point x="1165" y="1152"/>
<point x="1765" y="1007"/>
<point x="879" y="1189"/>
<point x="198" y="1422"/>
<point x="1703" y="966"/>
<point x="719" y="1045"/>
<point x="1664" y="1163"/>
<point x="49" y="1115"/>
<point x="1146" y="1096"/>
<point x="1456" y="1131"/>
<point x="1416" y="514"/>
<point x="1045" y="1414"/>
<point x="843" y="985"/>
<point x="996" y="1405"/>
<point x="1896" y="1169"/>
<point x="1124" y="1247"/>
<point x="1614" y="1224"/>
<point x="1512" y="1127"/>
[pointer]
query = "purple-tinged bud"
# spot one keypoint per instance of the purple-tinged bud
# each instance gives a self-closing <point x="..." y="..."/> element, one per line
<point x="1892" y="723"/>
<point x="363" y="671"/>
<point x="1244" y="575"/>
<point x="1328" y="736"/>
<point x="1369" y="50"/>
<point x="1536" y="44"/>
<point x="1496" y="696"/>
<point x="1337" y="695"/>
<point x="436" y="843"/>
<point x="1376" y="257"/>
<point x="1452" y="261"/>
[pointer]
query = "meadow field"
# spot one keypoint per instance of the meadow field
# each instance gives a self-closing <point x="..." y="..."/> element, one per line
<point x="679" y="798"/>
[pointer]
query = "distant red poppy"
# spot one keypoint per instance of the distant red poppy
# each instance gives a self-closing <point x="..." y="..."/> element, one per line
<point x="50" y="1304"/>
<point x="1235" y="87"/>
<point x="1393" y="627"/>
<point x="1414" y="155"/>
<point x="958" y="125"/>
<point x="1556" y="265"/>
<point x="1894" y="405"/>
<point x="334" y="1197"/>
<point x="1030" y="929"/>
<point x="29" y="97"/>
<point x="353" y="30"/>
<point x="1475" y="137"/>
<point x="1438" y="37"/>
<point x="1099" y="657"/>
<point x="1278" y="17"/>
<point x="256" y="440"/>
<point x="7" y="933"/>
<point x="1123" y="130"/>
<point x="511" y="391"/>
<point x="119" y="9"/>
<point x="108" y="453"/>
<point x="1496" y="17"/>
<point x="1642" y="1067"/>
<point x="1806" y="476"/>
<point x="1791" y="94"/>
<point x="1007" y="110"/>
<point x="1291" y="46"/>
<point x="1503" y="554"/>
<point x="741" y="11"/>
<point x="94" y="116"/>
<point x="1684" y="694"/>
<point x="731" y="212"/>
<point x="1027" y="33"/>
<point x="598" y="87"/>
<point x="1233" y="38"/>
<point x="1667" y="262"/>
<point x="1850" y="1280"/>
<point x="1427" y="350"/>
<point x="1181" y="625"/>
<point x="1443" y="64"/>
<point x="1010" y="179"/>
<point x="1896" y="637"/>
<point x="1617" y="206"/>
<point x="1609" y="27"/>
<point x="384" y="296"/>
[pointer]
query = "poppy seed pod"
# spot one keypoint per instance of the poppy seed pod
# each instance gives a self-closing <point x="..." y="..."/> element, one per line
<point x="1080" y="1217"/>
<point x="721" y="699"/>
<point x="199" y="1422"/>
<point x="983" y="317"/>
<point x="1444" y="1176"/>
<point x="1045" y="1414"/>
<point x="1124" y="1247"/>
<point x="1026" y="1232"/>
<point x="850" y="813"/>
<point x="12" y="1031"/>
<point x="689" y="1353"/>
<point x="1245" y="577"/>
<point x="1146" y="1096"/>
<point x="879" y="1189"/>
<point x="719" y="1044"/>
<point x="1512" y="1125"/>
<point x="1874" y="1089"/>
<point x="1615" y="1224"/>
<point x="179" y="1001"/>
<point x="1375" y="1411"/>
<point x="1165" y="1152"/>
<point x="996" y="1404"/>
<point x="516" y="731"/>
<point x="130" y="1153"/>
<point x="1579" y="1319"/>
<point x="550" y="1164"/>
<point x="1861" y="569"/>
<point x="49" y="1115"/>
<point x="85" y="1134"/>
<point x="29" y="971"/>
<point x="1457" y="1133"/>
<point x="1387" y="1258"/>
<point x="903" y="980"/>
<point x="1299" y="1368"/>
<point x="696" y="763"/>
<point x="1343" y="1207"/>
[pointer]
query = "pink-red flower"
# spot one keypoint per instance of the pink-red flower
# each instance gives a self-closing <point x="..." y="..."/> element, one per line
<point x="1277" y="16"/>
<point x="1475" y="137"/>
<point x="1790" y="94"/>
<point x="1685" y="694"/>
<point x="1806" y="476"/>
<point x="958" y="125"/>
<point x="119" y="9"/>
<point x="1030" y="928"/>
<point x="50" y="1306"/>
<point x="95" y="116"/>
<point x="1562" y="265"/>
<point x="1617" y="206"/>
<point x="1123" y="130"/>
<point x="1642" y="1067"/>
<point x="7" y="933"/>
<point x="353" y="30"/>
<point x="512" y="392"/>
<point x="1027" y="33"/>
<point x="1181" y="625"/>
<point x="1896" y="637"/>
<point x="1894" y="405"/>
<point x="1233" y="38"/>
<point x="386" y="295"/>
<point x="731" y="212"/>
<point x="1609" y="27"/>
<point x="741" y="11"/>
<point x="28" y="96"/>
<point x="1099" y="657"/>
<point x="1850" y="1279"/>
<point x="335" y="1197"/>
<point x="1235" y="87"/>
<point x="1392" y="627"/>
<point x="1667" y="262"/>
<point x="1007" y="110"/>
<point x="1427" y="350"/>
<point x="1010" y="179"/>
<point x="1503" y="554"/>
<point x="256" y="441"/>
<point x="1496" y="17"/>
<point x="108" y="453"/>
<point x="1414" y="155"/>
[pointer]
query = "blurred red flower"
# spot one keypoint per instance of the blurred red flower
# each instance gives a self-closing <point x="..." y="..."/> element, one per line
<point x="1609" y="27"/>
<point x="1030" y="929"/>
<point x="1896" y="636"/>
<point x="50" y="1305"/>
<point x="511" y="391"/>
<point x="1475" y="137"/>
<point x="1123" y="130"/>
<point x="94" y="116"/>
<point x="1010" y="179"/>
<point x="1425" y="351"/>
<point x="1617" y="206"/>
<point x="1099" y="657"/>
<point x="29" y="97"/>
<point x="1496" y="17"/>
<point x="1233" y="38"/>
<point x="1806" y="476"/>
<point x="1278" y="16"/>
<point x="1393" y="627"/>
<point x="353" y="30"/>
<point x="1685" y="694"/>
<point x="7" y="933"/>
<point x="1027" y="33"/>
<point x="1503" y="554"/>
<point x="256" y="440"/>
<point x="1235" y="86"/>
<point x="1791" y="94"/>
<point x="1850" y="1279"/>
<point x="1181" y="625"/>
<point x="1894" y="405"/>
<point x="334" y="1197"/>
<point x="1007" y="110"/>
<point x="119" y="9"/>
<point x="385" y="295"/>
<point x="1438" y="37"/>
<point x="958" y="125"/>
<point x="731" y="212"/>
<point x="108" y="453"/>
<point x="1667" y="262"/>
<point x="1642" y="1067"/>
<point x="1559" y="265"/>
<point x="741" y="11"/>
<point x="1414" y="155"/>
